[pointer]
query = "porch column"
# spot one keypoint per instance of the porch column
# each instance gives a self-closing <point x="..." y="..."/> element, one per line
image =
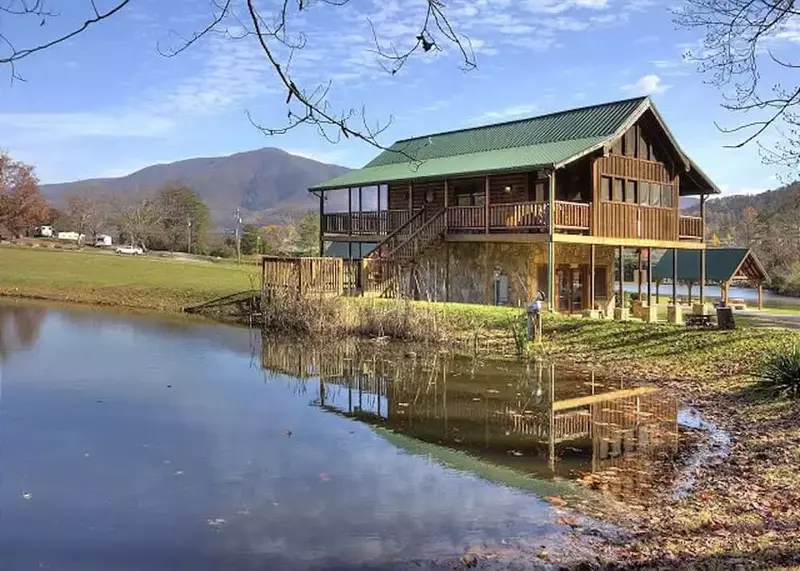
<point x="486" y="205"/>
<point x="410" y="198"/>
<point x="703" y="276"/>
<point x="621" y="279"/>
<point x="321" y="222"/>
<point x="592" y="263"/>
<point x="760" y="296"/>
<point x="639" y="273"/>
<point x="551" y="247"/>
<point x="674" y="276"/>
<point x="349" y="211"/>
<point x="649" y="277"/>
<point x="446" y="192"/>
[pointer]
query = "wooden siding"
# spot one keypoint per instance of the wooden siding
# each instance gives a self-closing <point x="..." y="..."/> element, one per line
<point x="398" y="196"/>
<point x="625" y="220"/>
<point x="517" y="183"/>
<point x="635" y="169"/>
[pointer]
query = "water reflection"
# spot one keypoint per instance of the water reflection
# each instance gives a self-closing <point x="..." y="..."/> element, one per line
<point x="535" y="418"/>
<point x="19" y="327"/>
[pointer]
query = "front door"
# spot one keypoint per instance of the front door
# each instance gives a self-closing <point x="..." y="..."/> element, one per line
<point x="570" y="289"/>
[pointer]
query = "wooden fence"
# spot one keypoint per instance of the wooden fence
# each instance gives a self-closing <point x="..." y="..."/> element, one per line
<point x="303" y="275"/>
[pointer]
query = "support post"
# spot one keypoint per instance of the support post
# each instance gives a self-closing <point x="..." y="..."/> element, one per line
<point x="446" y="192"/>
<point x="760" y="296"/>
<point x="592" y="264"/>
<point x="410" y="198"/>
<point x="551" y="247"/>
<point x="621" y="279"/>
<point x="350" y="213"/>
<point x="674" y="276"/>
<point x="446" y="270"/>
<point x="649" y="277"/>
<point x="703" y="276"/>
<point x="639" y="273"/>
<point x="486" y="204"/>
<point x="321" y="222"/>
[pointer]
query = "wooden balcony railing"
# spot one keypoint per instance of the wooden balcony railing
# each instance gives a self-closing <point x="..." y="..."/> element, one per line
<point x="466" y="217"/>
<point x="364" y="223"/>
<point x="572" y="215"/>
<point x="690" y="228"/>
<point x="524" y="215"/>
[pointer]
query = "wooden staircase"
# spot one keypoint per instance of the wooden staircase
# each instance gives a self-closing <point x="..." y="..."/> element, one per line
<point x="383" y="267"/>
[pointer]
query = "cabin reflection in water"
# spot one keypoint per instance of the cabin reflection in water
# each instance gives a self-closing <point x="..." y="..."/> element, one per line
<point x="533" y="417"/>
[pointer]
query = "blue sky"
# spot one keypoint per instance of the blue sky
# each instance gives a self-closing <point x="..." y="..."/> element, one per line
<point x="107" y="103"/>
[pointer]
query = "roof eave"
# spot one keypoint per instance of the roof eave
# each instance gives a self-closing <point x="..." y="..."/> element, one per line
<point x="324" y="187"/>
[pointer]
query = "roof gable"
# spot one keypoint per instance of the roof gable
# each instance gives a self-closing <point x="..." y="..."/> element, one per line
<point x="722" y="264"/>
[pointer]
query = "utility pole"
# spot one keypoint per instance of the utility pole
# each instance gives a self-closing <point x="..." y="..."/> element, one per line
<point x="238" y="238"/>
<point x="189" y="236"/>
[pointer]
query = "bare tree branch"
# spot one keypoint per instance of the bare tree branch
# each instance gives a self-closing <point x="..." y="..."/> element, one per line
<point x="739" y="35"/>
<point x="18" y="54"/>
<point x="274" y="35"/>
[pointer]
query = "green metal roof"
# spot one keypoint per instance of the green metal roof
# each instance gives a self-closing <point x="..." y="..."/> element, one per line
<point x="487" y="161"/>
<point x="534" y="142"/>
<point x="721" y="265"/>
<point x="551" y="140"/>
<point x="576" y="124"/>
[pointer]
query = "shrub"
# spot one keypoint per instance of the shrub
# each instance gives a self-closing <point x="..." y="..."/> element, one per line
<point x="780" y="372"/>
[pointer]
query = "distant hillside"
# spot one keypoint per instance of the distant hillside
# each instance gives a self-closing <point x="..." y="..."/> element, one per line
<point x="769" y="223"/>
<point x="267" y="184"/>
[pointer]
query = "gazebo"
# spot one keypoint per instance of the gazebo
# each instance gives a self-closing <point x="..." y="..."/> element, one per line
<point x="723" y="265"/>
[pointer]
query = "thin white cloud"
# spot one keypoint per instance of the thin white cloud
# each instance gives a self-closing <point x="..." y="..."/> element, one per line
<point x="506" y="114"/>
<point x="233" y="74"/>
<point x="650" y="84"/>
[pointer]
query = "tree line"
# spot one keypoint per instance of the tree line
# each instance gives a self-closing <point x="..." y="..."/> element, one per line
<point x="172" y="218"/>
<point x="769" y="223"/>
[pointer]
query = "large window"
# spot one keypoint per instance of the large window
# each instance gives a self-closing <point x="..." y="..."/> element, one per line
<point x="637" y="192"/>
<point x="605" y="188"/>
<point x="619" y="186"/>
<point x="630" y="191"/>
<point x="666" y="195"/>
<point x="644" y="192"/>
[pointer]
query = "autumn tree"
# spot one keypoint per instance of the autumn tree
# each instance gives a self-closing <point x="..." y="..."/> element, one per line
<point x="279" y="31"/>
<point x="740" y="52"/>
<point x="185" y="217"/>
<point x="22" y="205"/>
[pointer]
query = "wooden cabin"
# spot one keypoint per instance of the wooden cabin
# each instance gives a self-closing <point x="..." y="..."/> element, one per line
<point x="497" y="213"/>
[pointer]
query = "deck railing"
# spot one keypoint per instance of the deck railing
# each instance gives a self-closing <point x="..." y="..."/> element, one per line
<point x="466" y="217"/>
<point x="502" y="216"/>
<point x="572" y="215"/>
<point x="364" y="223"/>
<point x="524" y="215"/>
<point x="690" y="227"/>
<point x="303" y="275"/>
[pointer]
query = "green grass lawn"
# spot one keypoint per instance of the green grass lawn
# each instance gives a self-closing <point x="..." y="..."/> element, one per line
<point x="128" y="281"/>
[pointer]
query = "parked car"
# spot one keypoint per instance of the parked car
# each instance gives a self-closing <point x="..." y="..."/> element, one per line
<point x="129" y="250"/>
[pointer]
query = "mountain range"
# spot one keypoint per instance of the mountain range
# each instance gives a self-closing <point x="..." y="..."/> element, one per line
<point x="268" y="185"/>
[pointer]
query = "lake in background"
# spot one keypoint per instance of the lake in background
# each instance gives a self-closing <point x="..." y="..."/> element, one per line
<point x="132" y="442"/>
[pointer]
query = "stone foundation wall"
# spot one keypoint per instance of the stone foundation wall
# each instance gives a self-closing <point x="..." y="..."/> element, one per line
<point x="473" y="267"/>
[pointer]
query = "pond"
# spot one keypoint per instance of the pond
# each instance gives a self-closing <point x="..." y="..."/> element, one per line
<point x="133" y="442"/>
